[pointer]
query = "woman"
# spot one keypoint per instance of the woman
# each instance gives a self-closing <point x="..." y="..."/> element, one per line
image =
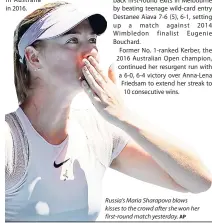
<point x="57" y="153"/>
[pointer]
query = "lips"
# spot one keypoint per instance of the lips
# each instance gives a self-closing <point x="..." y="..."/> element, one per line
<point x="80" y="64"/>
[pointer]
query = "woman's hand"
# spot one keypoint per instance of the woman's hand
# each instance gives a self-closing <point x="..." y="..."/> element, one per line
<point x="102" y="91"/>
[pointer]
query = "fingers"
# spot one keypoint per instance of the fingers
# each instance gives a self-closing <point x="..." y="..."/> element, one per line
<point x="95" y="64"/>
<point x="91" y="81"/>
<point x="111" y="73"/>
<point x="96" y="76"/>
<point x="94" y="98"/>
<point x="94" y="53"/>
<point x="95" y="80"/>
<point x="88" y="89"/>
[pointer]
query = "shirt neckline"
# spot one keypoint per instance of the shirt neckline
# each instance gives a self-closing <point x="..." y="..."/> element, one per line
<point x="23" y="116"/>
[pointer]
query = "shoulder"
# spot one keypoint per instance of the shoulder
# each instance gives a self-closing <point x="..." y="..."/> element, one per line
<point x="8" y="144"/>
<point x="16" y="150"/>
<point x="9" y="152"/>
<point x="7" y="132"/>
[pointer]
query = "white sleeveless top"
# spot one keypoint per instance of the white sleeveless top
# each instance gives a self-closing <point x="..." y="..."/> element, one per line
<point x="36" y="190"/>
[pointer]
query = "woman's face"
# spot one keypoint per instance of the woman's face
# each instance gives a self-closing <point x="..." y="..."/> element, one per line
<point x="61" y="57"/>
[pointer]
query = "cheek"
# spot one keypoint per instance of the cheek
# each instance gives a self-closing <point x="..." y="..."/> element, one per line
<point x="65" y="60"/>
<point x="60" y="60"/>
<point x="79" y="61"/>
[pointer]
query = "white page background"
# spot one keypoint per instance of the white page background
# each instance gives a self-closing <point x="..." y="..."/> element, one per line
<point x="187" y="116"/>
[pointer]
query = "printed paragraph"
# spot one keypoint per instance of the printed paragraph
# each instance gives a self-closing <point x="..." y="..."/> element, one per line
<point x="177" y="68"/>
<point x="162" y="18"/>
<point x="19" y="5"/>
<point x="148" y="209"/>
<point x="167" y="69"/>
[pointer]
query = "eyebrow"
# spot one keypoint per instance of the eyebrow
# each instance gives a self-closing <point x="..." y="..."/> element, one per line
<point x="75" y="32"/>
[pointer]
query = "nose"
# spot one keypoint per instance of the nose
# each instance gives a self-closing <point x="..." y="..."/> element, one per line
<point x="85" y="53"/>
<point x="92" y="52"/>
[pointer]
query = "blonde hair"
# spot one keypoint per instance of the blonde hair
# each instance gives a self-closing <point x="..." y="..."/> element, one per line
<point x="22" y="76"/>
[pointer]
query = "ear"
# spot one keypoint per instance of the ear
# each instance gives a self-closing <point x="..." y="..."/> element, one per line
<point x="31" y="55"/>
<point x="111" y="73"/>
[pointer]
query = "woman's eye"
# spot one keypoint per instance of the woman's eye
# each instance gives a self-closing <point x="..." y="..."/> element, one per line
<point x="73" y="40"/>
<point x="92" y="40"/>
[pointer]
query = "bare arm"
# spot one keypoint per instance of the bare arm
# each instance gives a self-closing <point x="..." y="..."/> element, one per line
<point x="159" y="159"/>
<point x="135" y="162"/>
<point x="167" y="157"/>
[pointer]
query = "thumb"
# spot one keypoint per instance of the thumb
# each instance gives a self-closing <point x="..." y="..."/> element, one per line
<point x="111" y="73"/>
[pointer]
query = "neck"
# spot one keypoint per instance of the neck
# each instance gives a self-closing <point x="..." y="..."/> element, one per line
<point x="49" y="113"/>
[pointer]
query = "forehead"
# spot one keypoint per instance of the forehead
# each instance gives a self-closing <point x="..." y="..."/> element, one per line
<point x="84" y="26"/>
